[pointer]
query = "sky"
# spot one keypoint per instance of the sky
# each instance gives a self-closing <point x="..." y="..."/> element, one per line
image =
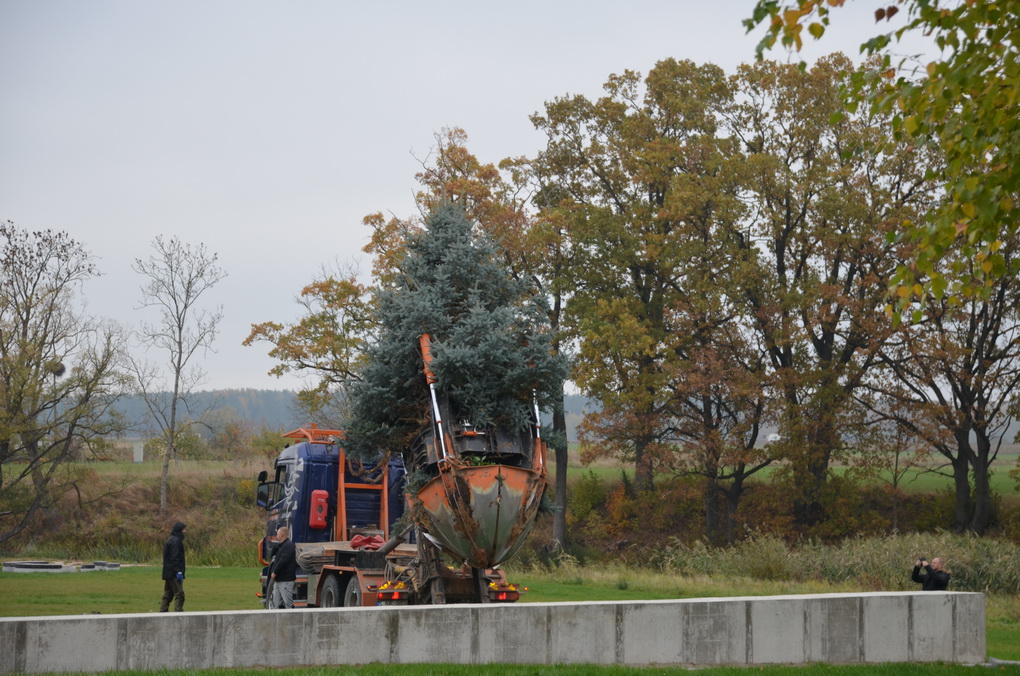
<point x="267" y="130"/>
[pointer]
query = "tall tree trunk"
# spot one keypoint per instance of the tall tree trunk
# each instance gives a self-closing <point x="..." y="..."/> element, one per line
<point x="559" y="534"/>
<point x="162" y="480"/>
<point x="982" y="516"/>
<point x="733" y="495"/>
<point x="809" y="480"/>
<point x="961" y="479"/>
<point x="643" y="480"/>
<point x="711" y="496"/>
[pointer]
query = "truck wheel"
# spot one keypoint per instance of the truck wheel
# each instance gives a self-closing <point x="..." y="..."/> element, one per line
<point x="267" y="598"/>
<point x="330" y="593"/>
<point x="353" y="595"/>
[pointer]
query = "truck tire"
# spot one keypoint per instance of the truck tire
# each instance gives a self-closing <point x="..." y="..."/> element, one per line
<point x="352" y="597"/>
<point x="268" y="598"/>
<point x="330" y="593"/>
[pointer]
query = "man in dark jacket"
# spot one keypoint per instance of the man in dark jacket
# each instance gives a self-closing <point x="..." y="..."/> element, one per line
<point x="936" y="578"/>
<point x="284" y="569"/>
<point x="173" y="569"/>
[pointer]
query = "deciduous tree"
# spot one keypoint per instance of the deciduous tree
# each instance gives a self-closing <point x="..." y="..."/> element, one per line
<point x="177" y="275"/>
<point x="646" y="191"/>
<point x="958" y="370"/>
<point x="328" y="341"/>
<point x="968" y="100"/>
<point x="58" y="371"/>
<point x="823" y="197"/>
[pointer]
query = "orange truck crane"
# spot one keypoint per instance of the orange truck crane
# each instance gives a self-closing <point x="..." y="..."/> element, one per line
<point x="371" y="534"/>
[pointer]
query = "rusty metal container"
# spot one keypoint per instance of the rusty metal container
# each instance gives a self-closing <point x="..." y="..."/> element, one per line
<point x="482" y="514"/>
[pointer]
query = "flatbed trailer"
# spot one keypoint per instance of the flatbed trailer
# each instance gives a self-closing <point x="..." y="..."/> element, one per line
<point x="362" y="566"/>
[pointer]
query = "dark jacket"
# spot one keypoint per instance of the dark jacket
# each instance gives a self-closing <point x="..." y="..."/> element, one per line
<point x="173" y="553"/>
<point x="935" y="580"/>
<point x="285" y="561"/>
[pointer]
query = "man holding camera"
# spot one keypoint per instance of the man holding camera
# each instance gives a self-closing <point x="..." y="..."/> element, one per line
<point x="935" y="578"/>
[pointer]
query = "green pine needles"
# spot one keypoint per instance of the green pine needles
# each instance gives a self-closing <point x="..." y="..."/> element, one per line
<point x="490" y="335"/>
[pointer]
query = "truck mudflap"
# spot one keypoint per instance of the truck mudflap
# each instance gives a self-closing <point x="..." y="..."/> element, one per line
<point x="482" y="514"/>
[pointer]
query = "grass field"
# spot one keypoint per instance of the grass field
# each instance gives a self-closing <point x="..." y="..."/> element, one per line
<point x="137" y="589"/>
<point x="913" y="482"/>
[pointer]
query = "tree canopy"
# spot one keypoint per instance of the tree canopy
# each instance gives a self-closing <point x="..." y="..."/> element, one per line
<point x="58" y="372"/>
<point x="489" y="332"/>
<point x="968" y="100"/>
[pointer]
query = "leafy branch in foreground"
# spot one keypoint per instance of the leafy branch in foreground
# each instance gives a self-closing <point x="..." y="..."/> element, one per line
<point x="969" y="101"/>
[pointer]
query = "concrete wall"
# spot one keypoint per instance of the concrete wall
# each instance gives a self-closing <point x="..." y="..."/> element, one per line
<point x="839" y="628"/>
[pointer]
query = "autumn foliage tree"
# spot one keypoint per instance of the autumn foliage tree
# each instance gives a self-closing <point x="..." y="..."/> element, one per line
<point x="327" y="341"/>
<point x="967" y="99"/>
<point x="648" y="194"/>
<point x="823" y="198"/>
<point x="953" y="376"/>
<point x="59" y="372"/>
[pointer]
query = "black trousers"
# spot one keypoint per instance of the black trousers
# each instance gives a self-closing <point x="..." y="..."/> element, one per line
<point x="172" y="589"/>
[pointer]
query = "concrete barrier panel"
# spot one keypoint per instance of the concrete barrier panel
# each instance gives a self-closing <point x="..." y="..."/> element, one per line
<point x="837" y="628"/>
<point x="969" y="632"/>
<point x="834" y="633"/>
<point x="886" y="619"/>
<point x="650" y="633"/>
<point x="585" y="636"/>
<point x="715" y="631"/>
<point x="777" y="630"/>
<point x="515" y="634"/>
<point x="931" y="621"/>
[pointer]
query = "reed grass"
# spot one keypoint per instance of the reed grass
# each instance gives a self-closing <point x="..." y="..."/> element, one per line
<point x="869" y="563"/>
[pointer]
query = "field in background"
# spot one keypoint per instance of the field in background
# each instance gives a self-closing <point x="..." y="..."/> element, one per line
<point x="915" y="481"/>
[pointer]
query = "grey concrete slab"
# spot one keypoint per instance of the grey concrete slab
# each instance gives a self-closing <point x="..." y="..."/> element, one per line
<point x="342" y="636"/>
<point x="886" y="620"/>
<point x="715" y="631"/>
<point x="649" y="633"/>
<point x="428" y="634"/>
<point x="969" y="629"/>
<point x="837" y="628"/>
<point x="14" y="639"/>
<point x="931" y="627"/>
<point x="833" y="630"/>
<point x="778" y="630"/>
<point x="67" y="645"/>
<point x="582" y="633"/>
<point x="520" y="633"/>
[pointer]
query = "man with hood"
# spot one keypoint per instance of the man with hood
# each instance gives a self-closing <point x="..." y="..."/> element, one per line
<point x="173" y="569"/>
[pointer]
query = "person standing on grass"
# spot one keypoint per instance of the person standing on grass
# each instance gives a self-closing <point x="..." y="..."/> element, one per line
<point x="173" y="569"/>
<point x="936" y="578"/>
<point x="284" y="569"/>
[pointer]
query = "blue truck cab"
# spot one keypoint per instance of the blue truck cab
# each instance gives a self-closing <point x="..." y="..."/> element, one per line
<point x="310" y="495"/>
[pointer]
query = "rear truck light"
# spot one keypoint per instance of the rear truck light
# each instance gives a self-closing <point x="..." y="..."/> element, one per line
<point x="391" y="593"/>
<point x="504" y="593"/>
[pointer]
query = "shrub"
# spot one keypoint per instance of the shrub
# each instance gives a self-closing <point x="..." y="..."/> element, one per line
<point x="587" y="496"/>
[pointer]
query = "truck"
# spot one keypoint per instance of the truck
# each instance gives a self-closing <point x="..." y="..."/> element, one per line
<point x="428" y="526"/>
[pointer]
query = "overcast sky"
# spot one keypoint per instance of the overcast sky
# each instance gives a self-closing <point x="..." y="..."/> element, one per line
<point x="268" y="129"/>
